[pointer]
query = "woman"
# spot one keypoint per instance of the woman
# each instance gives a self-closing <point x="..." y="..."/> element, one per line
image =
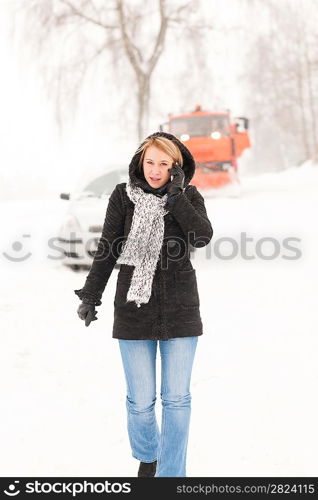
<point x="150" y="222"/>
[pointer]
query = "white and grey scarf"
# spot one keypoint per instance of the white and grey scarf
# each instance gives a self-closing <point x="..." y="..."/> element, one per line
<point x="143" y="244"/>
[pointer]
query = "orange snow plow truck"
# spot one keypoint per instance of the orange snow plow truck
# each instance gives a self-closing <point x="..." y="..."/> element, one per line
<point x="215" y="143"/>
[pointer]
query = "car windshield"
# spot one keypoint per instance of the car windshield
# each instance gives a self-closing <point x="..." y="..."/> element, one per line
<point x="105" y="184"/>
<point x="200" y="126"/>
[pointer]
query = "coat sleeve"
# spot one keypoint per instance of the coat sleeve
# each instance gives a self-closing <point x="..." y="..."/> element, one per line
<point x="192" y="217"/>
<point x="107" y="251"/>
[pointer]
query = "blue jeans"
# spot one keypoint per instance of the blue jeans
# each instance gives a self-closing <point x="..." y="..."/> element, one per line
<point x="169" y="447"/>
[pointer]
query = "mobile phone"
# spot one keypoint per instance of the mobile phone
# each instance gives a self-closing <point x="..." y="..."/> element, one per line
<point x="174" y="164"/>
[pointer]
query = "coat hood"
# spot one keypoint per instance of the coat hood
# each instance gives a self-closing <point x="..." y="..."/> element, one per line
<point x="137" y="177"/>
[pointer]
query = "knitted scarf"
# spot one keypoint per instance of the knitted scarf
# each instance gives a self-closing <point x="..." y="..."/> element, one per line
<point x="144" y="241"/>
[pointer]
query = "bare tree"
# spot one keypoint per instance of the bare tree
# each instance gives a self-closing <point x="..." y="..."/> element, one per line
<point x="312" y="95"/>
<point x="282" y="80"/>
<point x="94" y="30"/>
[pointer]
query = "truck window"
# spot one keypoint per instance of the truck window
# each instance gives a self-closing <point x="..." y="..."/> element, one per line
<point x="200" y="126"/>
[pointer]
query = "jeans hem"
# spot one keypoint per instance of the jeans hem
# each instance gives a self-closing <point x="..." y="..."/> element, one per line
<point x="147" y="461"/>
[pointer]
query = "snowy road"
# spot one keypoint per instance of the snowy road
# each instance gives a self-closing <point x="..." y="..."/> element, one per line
<point x="255" y="376"/>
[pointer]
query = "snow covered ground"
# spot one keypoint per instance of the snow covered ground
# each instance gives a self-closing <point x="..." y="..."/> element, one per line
<point x="254" y="383"/>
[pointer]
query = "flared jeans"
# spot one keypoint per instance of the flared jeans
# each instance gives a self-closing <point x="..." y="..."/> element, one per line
<point x="169" y="445"/>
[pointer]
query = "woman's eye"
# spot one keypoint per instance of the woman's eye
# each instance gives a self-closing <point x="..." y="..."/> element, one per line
<point x="163" y="164"/>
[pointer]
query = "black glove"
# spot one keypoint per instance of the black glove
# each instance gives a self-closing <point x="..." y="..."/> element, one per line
<point x="177" y="183"/>
<point x="87" y="312"/>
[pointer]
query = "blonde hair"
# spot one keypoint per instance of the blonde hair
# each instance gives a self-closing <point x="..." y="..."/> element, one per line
<point x="166" y="145"/>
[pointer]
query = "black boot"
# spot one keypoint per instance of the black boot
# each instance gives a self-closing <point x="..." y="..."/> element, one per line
<point x="147" y="469"/>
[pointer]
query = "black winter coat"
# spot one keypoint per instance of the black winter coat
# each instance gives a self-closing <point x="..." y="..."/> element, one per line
<point x="174" y="306"/>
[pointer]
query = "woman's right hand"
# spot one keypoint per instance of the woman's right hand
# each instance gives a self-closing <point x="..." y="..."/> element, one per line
<point x="87" y="312"/>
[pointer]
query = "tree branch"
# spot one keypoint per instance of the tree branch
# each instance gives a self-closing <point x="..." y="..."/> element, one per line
<point x="160" y="39"/>
<point x="88" y="18"/>
<point x="127" y="42"/>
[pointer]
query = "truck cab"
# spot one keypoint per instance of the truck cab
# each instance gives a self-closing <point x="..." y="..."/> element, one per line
<point x="215" y="141"/>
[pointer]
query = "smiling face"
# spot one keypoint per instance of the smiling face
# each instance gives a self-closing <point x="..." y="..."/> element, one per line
<point x="155" y="165"/>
